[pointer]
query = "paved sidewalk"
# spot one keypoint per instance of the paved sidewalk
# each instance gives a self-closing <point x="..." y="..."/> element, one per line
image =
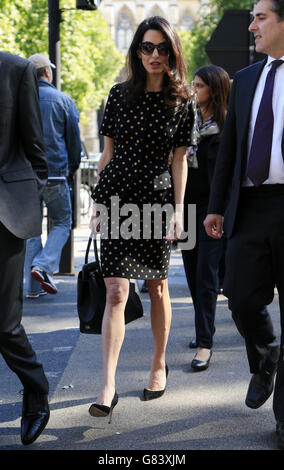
<point x="199" y="411"/>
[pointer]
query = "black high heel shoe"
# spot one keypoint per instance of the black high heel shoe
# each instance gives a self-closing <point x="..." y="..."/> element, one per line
<point x="200" y="365"/>
<point x="100" y="411"/>
<point x="151" y="394"/>
<point x="192" y="344"/>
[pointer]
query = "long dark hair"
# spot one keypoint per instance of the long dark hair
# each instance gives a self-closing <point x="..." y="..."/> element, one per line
<point x="175" y="85"/>
<point x="219" y="88"/>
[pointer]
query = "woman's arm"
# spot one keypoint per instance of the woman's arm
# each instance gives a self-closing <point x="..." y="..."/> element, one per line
<point x="179" y="174"/>
<point x="179" y="177"/>
<point x="106" y="155"/>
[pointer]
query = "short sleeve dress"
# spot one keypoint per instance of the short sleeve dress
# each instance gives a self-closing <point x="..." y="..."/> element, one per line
<point x="136" y="183"/>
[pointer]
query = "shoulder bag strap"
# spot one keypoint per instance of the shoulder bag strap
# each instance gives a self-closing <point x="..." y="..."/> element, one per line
<point x="97" y="260"/>
<point x="96" y="254"/>
<point x="88" y="250"/>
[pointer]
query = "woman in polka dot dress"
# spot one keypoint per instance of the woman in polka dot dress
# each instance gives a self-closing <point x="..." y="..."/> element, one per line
<point x="146" y="118"/>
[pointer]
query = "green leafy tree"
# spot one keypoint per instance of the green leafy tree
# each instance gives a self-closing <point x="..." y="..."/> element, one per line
<point x="194" y="41"/>
<point x="90" y="62"/>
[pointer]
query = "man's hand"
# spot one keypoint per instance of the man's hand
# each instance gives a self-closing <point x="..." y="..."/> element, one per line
<point x="214" y="225"/>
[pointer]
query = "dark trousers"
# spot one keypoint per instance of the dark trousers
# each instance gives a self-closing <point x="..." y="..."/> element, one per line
<point x="14" y="345"/>
<point x="255" y="265"/>
<point x="201" y="265"/>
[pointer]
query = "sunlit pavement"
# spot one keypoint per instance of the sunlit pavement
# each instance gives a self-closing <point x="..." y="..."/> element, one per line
<point x="199" y="410"/>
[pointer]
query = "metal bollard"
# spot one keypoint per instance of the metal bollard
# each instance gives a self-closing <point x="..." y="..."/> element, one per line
<point x="66" y="265"/>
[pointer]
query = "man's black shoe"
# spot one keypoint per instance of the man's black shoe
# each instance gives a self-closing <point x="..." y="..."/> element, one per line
<point x="35" y="415"/>
<point x="260" y="389"/>
<point x="262" y="384"/>
<point x="280" y="434"/>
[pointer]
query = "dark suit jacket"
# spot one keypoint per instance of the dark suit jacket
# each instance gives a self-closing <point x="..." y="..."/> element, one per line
<point x="232" y="156"/>
<point x="23" y="168"/>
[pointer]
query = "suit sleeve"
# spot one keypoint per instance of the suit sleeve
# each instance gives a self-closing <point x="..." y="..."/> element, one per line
<point x="225" y="162"/>
<point x="30" y="125"/>
<point x="213" y="148"/>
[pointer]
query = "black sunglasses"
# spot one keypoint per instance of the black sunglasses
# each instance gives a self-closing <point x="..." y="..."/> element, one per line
<point x="148" y="48"/>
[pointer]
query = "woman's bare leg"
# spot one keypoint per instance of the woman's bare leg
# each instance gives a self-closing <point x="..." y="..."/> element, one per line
<point x="113" y="330"/>
<point x="161" y="314"/>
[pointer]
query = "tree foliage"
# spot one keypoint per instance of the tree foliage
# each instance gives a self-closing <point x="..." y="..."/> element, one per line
<point x="194" y="41"/>
<point x="90" y="62"/>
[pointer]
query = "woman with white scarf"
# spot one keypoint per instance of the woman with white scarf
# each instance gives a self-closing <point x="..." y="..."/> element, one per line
<point x="212" y="88"/>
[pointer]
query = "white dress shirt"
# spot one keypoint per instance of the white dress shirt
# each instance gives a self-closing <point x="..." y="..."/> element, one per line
<point x="276" y="171"/>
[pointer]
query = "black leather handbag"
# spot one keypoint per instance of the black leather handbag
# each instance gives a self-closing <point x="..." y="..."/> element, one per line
<point x="91" y="296"/>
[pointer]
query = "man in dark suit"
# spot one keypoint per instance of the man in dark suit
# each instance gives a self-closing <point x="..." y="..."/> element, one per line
<point x="250" y="169"/>
<point x="23" y="174"/>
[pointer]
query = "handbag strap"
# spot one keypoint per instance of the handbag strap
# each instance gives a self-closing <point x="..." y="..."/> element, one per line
<point x="97" y="260"/>
<point x="88" y="250"/>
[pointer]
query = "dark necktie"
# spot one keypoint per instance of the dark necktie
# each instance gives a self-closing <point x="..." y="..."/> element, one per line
<point x="260" y="153"/>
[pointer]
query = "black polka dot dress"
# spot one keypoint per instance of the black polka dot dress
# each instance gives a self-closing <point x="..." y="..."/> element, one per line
<point x="135" y="181"/>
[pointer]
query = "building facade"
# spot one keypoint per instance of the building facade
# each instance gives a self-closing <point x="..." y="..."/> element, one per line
<point x="123" y="16"/>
